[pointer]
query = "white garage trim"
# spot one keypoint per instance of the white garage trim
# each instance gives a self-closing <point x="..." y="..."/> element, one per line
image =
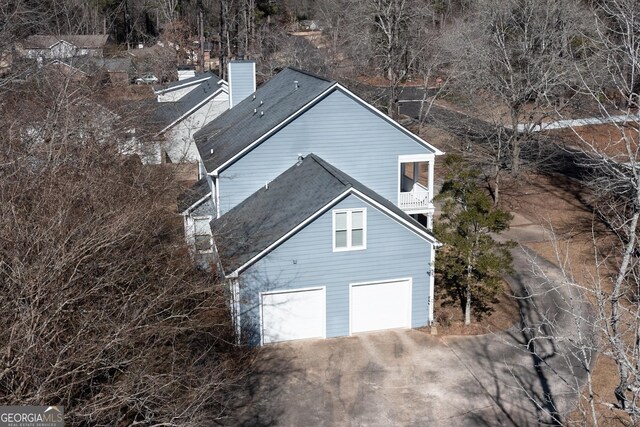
<point x="409" y="301"/>
<point x="323" y="307"/>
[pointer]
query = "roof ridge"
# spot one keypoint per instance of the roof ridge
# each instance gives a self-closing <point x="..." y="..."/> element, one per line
<point x="336" y="173"/>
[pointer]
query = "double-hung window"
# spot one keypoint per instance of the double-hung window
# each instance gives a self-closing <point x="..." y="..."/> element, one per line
<point x="349" y="229"/>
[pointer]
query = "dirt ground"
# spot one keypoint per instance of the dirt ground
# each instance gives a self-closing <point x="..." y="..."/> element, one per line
<point x="560" y="205"/>
<point x="451" y="320"/>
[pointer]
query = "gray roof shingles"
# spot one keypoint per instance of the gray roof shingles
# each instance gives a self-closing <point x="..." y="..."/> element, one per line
<point x="221" y="139"/>
<point x="83" y="41"/>
<point x="195" y="193"/>
<point x="290" y="199"/>
<point x="165" y="113"/>
<point x="191" y="80"/>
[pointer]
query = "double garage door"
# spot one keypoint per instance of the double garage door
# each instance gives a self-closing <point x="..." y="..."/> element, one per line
<point x="301" y="314"/>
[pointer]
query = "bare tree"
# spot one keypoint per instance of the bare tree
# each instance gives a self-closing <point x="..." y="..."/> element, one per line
<point x="523" y="54"/>
<point x="615" y="182"/>
<point x="107" y="315"/>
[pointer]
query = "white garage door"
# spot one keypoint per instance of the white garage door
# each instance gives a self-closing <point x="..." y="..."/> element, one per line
<point x="293" y="315"/>
<point x="383" y="305"/>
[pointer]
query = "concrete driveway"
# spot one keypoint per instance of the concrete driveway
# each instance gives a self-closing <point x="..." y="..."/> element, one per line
<point x="520" y="377"/>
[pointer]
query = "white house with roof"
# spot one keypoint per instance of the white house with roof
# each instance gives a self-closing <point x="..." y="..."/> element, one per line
<point x="62" y="46"/>
<point x="182" y="108"/>
<point x="320" y="208"/>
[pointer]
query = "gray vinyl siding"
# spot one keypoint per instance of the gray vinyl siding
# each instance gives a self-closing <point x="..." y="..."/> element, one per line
<point x="338" y="129"/>
<point x="241" y="80"/>
<point x="307" y="260"/>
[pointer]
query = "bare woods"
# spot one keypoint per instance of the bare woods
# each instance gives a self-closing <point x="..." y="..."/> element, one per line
<point x="102" y="310"/>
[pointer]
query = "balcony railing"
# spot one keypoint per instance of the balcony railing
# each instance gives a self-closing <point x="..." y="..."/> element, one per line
<point x="417" y="198"/>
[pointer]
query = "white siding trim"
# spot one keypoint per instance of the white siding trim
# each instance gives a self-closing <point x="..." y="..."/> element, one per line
<point x="379" y="113"/>
<point x="379" y="282"/>
<point x="406" y="223"/>
<point x="182" y="86"/>
<point x="432" y="271"/>
<point x="234" y="287"/>
<point x="422" y="233"/>
<point x="290" y="233"/>
<point x="285" y="291"/>
<point x="349" y="212"/>
<point x="196" y="204"/>
<point x="309" y="105"/>
<point x="191" y="111"/>
<point x="272" y="131"/>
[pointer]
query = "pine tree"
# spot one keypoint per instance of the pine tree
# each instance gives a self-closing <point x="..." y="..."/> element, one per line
<point x="471" y="263"/>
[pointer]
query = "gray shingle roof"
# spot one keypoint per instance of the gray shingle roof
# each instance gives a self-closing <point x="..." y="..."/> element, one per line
<point x="270" y="213"/>
<point x="231" y="132"/>
<point x="196" y="192"/>
<point x="189" y="81"/>
<point x="82" y="41"/>
<point x="165" y="113"/>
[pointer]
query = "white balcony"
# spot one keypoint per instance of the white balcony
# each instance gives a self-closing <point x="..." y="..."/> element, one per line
<point x="417" y="200"/>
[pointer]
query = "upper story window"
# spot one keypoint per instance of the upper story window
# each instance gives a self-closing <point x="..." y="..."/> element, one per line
<point x="349" y="229"/>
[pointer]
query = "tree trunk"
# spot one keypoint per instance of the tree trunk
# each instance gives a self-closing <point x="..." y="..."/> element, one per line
<point x="515" y="140"/>
<point x="616" y="294"/>
<point x="467" y="307"/>
<point x="496" y="186"/>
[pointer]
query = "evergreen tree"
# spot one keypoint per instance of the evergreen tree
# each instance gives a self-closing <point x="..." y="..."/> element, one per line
<point x="471" y="264"/>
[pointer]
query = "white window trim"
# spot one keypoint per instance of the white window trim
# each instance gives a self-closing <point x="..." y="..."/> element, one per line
<point x="349" y="247"/>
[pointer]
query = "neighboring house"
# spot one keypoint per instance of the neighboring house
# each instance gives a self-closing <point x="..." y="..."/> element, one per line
<point x="116" y="71"/>
<point x="62" y="47"/>
<point x="316" y="254"/>
<point x="182" y="109"/>
<point x="172" y="92"/>
<point x="336" y="244"/>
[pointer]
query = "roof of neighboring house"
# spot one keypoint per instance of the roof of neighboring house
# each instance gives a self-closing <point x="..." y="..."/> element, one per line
<point x="166" y="114"/>
<point x="117" y="65"/>
<point x="274" y="211"/>
<point x="82" y="41"/>
<point x="194" y="194"/>
<point x="188" y="82"/>
<point x="274" y="102"/>
<point x="91" y="64"/>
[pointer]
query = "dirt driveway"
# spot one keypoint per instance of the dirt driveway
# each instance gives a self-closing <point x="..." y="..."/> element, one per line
<point x="409" y="377"/>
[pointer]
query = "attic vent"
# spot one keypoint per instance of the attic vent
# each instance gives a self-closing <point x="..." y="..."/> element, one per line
<point x="255" y="110"/>
<point x="261" y="102"/>
<point x="261" y="113"/>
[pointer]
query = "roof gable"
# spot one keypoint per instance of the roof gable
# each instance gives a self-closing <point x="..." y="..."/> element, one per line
<point x="167" y="114"/>
<point x="199" y="78"/>
<point x="275" y="104"/>
<point x="277" y="211"/>
<point x="88" y="41"/>
<point x="272" y="104"/>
